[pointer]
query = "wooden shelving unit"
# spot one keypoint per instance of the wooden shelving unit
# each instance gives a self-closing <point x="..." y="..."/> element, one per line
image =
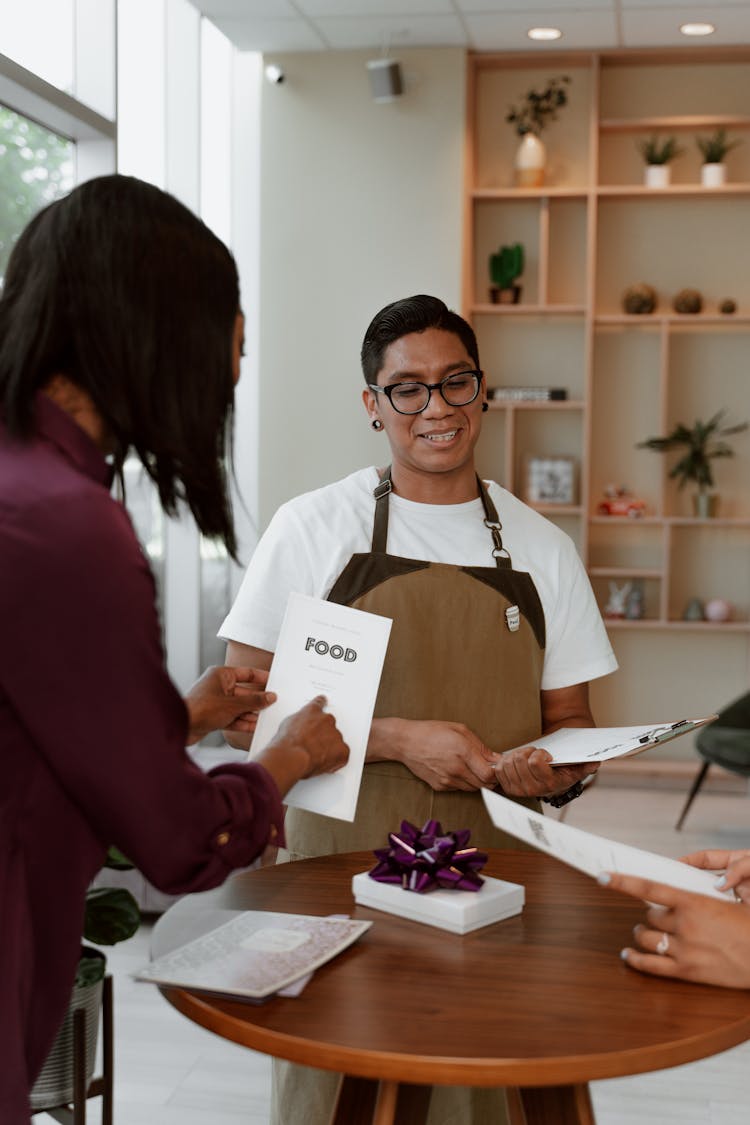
<point x="589" y="232"/>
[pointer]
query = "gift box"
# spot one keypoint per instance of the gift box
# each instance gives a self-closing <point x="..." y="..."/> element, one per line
<point x="457" y="911"/>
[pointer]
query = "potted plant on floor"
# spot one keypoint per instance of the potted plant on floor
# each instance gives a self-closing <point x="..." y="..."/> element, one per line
<point x="505" y="266"/>
<point x="702" y="444"/>
<point x="658" y="153"/>
<point x="111" y="916"/>
<point x="714" y="150"/>
<point x="530" y="116"/>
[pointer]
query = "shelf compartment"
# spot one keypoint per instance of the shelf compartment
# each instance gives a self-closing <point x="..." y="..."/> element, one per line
<point x="672" y="248"/>
<point x="706" y="563"/>
<point x="674" y="122"/>
<point x="527" y="310"/>
<point x="553" y="404"/>
<point x="673" y="320"/>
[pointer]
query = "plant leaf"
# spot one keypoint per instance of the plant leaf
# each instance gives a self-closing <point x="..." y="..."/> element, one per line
<point x="111" y="915"/>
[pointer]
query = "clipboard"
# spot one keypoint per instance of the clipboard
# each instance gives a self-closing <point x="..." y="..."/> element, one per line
<point x="579" y="745"/>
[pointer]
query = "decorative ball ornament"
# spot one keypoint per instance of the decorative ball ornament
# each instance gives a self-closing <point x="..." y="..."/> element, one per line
<point x="728" y="306"/>
<point x="639" y="299"/>
<point x="717" y="609"/>
<point x="688" y="301"/>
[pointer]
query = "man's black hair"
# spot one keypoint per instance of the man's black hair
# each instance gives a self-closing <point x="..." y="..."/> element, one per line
<point x="411" y="314"/>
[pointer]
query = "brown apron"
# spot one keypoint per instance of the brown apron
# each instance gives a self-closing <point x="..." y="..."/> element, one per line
<point x="466" y="646"/>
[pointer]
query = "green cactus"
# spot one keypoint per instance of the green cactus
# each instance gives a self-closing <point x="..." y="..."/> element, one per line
<point x="506" y="265"/>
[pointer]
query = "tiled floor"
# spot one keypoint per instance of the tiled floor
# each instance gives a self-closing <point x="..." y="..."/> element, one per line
<point x="171" y="1072"/>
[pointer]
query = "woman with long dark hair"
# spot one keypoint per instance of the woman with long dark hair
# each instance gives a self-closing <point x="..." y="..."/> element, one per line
<point x="120" y="333"/>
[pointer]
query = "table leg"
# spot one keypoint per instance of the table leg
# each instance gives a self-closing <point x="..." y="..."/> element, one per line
<point x="557" y="1105"/>
<point x="356" y="1100"/>
<point x="364" y="1101"/>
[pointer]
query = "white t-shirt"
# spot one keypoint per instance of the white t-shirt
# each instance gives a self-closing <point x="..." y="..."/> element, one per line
<point x="311" y="538"/>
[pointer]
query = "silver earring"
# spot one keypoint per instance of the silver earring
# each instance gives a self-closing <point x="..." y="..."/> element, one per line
<point x="376" y="424"/>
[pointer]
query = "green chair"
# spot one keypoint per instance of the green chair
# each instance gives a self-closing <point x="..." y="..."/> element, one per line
<point x="725" y="742"/>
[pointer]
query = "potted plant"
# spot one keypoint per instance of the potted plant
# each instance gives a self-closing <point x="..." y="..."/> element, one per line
<point x="530" y="116"/>
<point x="658" y="152"/>
<point x="713" y="150"/>
<point x="505" y="266"/>
<point x="702" y="444"/>
<point x="111" y="915"/>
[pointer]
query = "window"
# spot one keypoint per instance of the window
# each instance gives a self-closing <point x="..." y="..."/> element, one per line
<point x="36" y="166"/>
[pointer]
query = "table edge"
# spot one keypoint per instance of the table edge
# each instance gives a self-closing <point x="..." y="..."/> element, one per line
<point x="451" y="1070"/>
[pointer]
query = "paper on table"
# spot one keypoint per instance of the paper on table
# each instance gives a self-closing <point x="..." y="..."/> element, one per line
<point x="593" y="854"/>
<point x="332" y="650"/>
<point x="255" y="954"/>
<point x="570" y="745"/>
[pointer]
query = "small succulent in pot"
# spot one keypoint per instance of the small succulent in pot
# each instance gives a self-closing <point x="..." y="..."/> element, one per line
<point x="727" y="306"/>
<point x="659" y="150"/>
<point x="715" y="148"/>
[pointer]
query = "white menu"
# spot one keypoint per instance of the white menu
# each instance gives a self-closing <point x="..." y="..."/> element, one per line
<point x="591" y="853"/>
<point x="336" y="651"/>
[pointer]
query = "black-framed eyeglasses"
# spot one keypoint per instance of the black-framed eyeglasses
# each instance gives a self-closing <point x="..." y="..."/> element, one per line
<point x="458" y="389"/>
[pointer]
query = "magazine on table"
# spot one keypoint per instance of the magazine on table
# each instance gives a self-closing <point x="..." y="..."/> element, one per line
<point x="255" y="955"/>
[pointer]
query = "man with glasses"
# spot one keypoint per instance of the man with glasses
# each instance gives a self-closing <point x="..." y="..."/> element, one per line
<point x="495" y="628"/>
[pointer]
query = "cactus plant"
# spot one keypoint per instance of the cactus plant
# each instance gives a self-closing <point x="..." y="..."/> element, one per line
<point x="505" y="266"/>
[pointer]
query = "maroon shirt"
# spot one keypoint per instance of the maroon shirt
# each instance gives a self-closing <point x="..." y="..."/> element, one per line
<point x="92" y="736"/>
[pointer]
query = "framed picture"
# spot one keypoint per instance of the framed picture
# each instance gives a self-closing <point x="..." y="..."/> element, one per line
<point x="551" y="480"/>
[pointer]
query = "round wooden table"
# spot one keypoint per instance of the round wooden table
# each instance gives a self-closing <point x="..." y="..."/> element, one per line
<point x="540" y="1003"/>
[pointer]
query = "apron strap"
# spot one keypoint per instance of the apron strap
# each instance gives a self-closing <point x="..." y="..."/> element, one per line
<point x="380" y="524"/>
<point x="500" y="554"/>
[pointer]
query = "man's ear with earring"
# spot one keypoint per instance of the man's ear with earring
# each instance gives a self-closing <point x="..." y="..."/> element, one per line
<point x="376" y="424"/>
<point x="485" y="407"/>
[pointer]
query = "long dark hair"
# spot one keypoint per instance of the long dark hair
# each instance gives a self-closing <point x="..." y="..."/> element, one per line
<point x="121" y="288"/>
<point x="401" y="318"/>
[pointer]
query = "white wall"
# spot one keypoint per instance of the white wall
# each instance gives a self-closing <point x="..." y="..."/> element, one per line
<point x="360" y="204"/>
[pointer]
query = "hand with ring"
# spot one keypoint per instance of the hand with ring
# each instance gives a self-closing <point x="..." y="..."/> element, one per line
<point x="688" y="936"/>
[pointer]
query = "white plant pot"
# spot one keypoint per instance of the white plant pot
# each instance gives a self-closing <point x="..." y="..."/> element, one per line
<point x="713" y="175"/>
<point x="657" y="175"/>
<point x="54" y="1086"/>
<point x="531" y="157"/>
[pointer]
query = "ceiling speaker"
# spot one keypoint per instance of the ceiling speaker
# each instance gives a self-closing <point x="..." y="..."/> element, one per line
<point x="386" y="82"/>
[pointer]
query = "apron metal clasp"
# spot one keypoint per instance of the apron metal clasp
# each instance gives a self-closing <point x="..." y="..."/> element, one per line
<point x="513" y="618"/>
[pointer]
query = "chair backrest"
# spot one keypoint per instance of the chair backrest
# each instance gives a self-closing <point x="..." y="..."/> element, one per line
<point x="726" y="741"/>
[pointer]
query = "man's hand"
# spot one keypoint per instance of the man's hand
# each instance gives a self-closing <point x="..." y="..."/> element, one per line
<point x="226" y="698"/>
<point x="526" y="772"/>
<point x="445" y="755"/>
<point x="690" y="936"/>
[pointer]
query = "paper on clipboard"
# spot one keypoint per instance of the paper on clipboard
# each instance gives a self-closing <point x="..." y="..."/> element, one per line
<point x="576" y="745"/>
<point x="593" y="854"/>
<point x="332" y="650"/>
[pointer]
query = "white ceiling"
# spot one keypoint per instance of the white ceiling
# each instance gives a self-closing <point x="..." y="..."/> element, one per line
<point x="481" y="25"/>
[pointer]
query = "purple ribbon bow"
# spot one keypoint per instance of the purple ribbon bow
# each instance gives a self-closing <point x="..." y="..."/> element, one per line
<point x="427" y="858"/>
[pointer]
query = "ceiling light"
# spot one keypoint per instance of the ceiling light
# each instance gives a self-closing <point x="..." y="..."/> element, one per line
<point x="544" y="33"/>
<point x="697" y="28"/>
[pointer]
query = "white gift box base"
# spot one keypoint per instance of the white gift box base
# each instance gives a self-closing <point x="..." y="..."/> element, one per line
<point x="457" y="911"/>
